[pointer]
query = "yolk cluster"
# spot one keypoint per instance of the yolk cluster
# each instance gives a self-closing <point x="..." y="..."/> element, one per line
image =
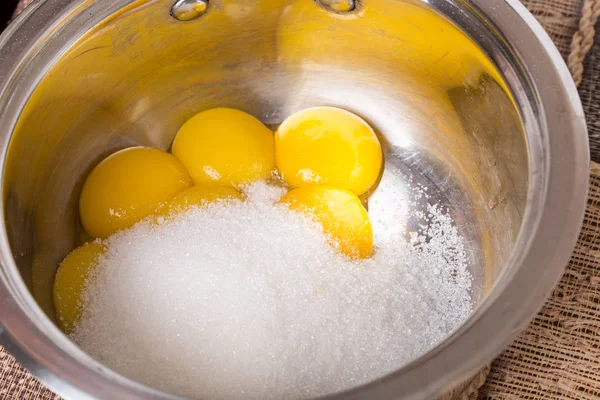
<point x="330" y="156"/>
<point x="327" y="156"/>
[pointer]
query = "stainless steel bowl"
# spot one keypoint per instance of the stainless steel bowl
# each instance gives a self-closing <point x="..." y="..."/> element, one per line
<point x="470" y="99"/>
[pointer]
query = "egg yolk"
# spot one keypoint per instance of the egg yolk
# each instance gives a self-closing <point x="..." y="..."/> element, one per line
<point x="199" y="196"/>
<point x="341" y="214"/>
<point x="226" y="146"/>
<point x="127" y="187"/>
<point x="70" y="282"/>
<point x="328" y="146"/>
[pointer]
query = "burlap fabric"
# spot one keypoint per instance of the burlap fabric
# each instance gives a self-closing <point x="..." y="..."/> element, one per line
<point x="589" y="91"/>
<point x="558" y="356"/>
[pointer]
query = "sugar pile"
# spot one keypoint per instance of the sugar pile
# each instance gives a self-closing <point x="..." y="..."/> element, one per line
<point x="247" y="300"/>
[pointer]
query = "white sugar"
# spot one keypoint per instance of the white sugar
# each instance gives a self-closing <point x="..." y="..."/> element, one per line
<point x="247" y="300"/>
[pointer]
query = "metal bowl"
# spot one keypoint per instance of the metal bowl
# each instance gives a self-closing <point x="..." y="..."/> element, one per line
<point x="470" y="99"/>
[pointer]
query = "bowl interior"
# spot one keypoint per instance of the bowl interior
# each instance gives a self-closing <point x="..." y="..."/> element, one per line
<point x="441" y="109"/>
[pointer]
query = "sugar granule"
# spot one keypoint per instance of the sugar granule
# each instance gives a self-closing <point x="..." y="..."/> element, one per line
<point x="247" y="300"/>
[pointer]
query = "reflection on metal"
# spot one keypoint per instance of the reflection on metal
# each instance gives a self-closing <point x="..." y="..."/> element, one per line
<point x="436" y="101"/>
<point x="187" y="10"/>
<point x="338" y="5"/>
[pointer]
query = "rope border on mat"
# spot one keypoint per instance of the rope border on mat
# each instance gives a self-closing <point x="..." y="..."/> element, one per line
<point x="583" y="39"/>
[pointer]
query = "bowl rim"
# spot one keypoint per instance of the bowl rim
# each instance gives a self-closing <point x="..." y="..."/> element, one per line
<point x="559" y="165"/>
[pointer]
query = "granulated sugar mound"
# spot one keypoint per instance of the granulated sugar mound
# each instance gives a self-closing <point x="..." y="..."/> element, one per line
<point x="247" y="300"/>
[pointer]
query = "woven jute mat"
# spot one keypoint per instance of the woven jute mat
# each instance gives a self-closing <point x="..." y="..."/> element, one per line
<point x="558" y="356"/>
